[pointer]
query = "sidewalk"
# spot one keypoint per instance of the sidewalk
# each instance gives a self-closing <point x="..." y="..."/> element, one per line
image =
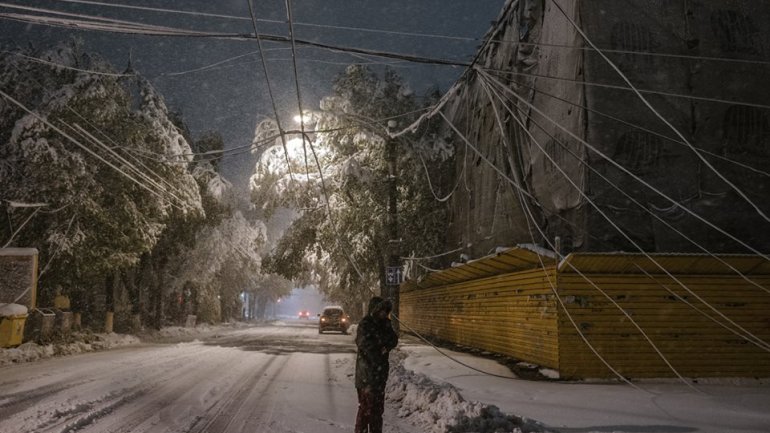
<point x="665" y="406"/>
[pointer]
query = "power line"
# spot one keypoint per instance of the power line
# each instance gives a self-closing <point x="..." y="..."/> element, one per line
<point x="91" y="20"/>
<point x="269" y="87"/>
<point x="636" y="53"/>
<point x="625" y="170"/>
<point x="18" y="229"/>
<point x="85" y="134"/>
<point x="137" y="28"/>
<point x="523" y="192"/>
<point x="499" y="122"/>
<point x="164" y="10"/>
<point x="50" y="260"/>
<point x="302" y="24"/>
<point x="422" y="34"/>
<point x="617" y="188"/>
<point x="148" y="30"/>
<point x="430" y="184"/>
<point x="289" y="15"/>
<point x="753" y="338"/>
<point x="660" y="116"/>
<point x="80" y="131"/>
<point x="80" y="145"/>
<point x="627" y="88"/>
<point x="115" y="26"/>
<point x="142" y="164"/>
<point x="59" y="65"/>
<point x="435" y="256"/>
<point x="641" y="128"/>
<point x="218" y="63"/>
<point x="88" y="136"/>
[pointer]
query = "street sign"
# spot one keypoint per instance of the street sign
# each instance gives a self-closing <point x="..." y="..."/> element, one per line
<point x="393" y="275"/>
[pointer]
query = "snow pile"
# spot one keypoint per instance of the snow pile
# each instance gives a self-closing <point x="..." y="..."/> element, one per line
<point x="180" y="331"/>
<point x="7" y="310"/>
<point x="25" y="353"/>
<point x="83" y="342"/>
<point x="31" y="351"/>
<point x="173" y="334"/>
<point x="439" y="408"/>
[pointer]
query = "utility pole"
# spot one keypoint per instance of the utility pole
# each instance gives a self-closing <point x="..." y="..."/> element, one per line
<point x="393" y="273"/>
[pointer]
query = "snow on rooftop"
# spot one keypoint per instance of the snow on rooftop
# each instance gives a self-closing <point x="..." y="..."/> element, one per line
<point x="7" y="310"/>
<point x="537" y="249"/>
<point x="18" y="251"/>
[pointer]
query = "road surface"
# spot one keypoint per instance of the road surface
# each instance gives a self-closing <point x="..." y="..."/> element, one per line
<point x="282" y="378"/>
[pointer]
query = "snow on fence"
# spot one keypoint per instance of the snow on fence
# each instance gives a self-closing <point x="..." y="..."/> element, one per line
<point x="707" y="316"/>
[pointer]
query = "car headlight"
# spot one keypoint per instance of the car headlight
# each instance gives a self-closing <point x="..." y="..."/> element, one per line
<point x="344" y="320"/>
<point x="323" y="319"/>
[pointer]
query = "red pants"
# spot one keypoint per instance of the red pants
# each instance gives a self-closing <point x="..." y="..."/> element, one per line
<point x="371" y="404"/>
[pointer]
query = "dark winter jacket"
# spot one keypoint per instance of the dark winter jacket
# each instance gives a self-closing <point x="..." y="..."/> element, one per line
<point x="374" y="338"/>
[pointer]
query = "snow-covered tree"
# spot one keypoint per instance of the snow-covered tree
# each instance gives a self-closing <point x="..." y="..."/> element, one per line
<point x="342" y="242"/>
<point x="224" y="261"/>
<point x="110" y="166"/>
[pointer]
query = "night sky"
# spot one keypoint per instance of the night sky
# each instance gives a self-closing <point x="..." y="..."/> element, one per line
<point x="231" y="97"/>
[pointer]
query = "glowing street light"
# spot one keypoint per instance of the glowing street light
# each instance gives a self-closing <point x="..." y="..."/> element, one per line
<point x="306" y="119"/>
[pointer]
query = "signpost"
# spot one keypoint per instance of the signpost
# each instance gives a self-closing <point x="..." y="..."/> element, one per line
<point x="393" y="275"/>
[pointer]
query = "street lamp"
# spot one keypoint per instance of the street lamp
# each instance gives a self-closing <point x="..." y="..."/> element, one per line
<point x="306" y="118"/>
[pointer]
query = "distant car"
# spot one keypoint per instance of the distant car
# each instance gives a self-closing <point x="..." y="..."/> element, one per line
<point x="333" y="319"/>
<point x="304" y="314"/>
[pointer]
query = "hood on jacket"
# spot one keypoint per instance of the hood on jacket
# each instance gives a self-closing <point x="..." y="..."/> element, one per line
<point x="378" y="304"/>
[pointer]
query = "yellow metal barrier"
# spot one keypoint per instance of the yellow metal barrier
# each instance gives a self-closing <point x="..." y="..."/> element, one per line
<point x="12" y="330"/>
<point x="705" y="316"/>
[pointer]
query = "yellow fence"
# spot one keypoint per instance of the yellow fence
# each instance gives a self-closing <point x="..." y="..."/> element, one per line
<point x="512" y="314"/>
<point x="691" y="315"/>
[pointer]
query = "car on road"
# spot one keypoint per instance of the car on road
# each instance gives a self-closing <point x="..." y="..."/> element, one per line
<point x="333" y="318"/>
<point x="304" y="314"/>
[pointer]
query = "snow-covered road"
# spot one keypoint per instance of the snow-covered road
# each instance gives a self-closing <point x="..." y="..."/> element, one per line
<point x="286" y="378"/>
<point x="262" y="379"/>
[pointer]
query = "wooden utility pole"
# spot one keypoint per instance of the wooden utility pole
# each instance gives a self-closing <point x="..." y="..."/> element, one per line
<point x="393" y="274"/>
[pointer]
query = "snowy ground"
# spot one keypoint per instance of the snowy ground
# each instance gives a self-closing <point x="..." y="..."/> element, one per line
<point x="286" y="378"/>
<point x="258" y="379"/>
<point x="661" y="406"/>
<point x="81" y="343"/>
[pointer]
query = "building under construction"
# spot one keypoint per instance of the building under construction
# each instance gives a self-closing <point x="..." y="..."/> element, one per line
<point x="666" y="153"/>
<point x="625" y="141"/>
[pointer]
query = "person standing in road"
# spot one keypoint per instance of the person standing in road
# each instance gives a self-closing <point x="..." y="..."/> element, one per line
<point x="375" y="338"/>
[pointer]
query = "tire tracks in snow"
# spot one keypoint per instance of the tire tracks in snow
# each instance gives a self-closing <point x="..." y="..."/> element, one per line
<point x="10" y="404"/>
<point x="220" y="417"/>
<point x="223" y="385"/>
<point x="71" y="412"/>
<point x="145" y="413"/>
